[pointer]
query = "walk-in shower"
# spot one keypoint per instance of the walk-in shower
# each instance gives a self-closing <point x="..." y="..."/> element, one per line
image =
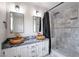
<point x="64" y="27"/>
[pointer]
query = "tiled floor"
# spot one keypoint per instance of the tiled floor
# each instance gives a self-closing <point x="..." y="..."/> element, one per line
<point x="64" y="53"/>
<point x="68" y="52"/>
<point x="55" y="54"/>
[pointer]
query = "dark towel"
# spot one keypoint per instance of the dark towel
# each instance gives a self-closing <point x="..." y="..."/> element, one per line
<point x="40" y="25"/>
<point x="46" y="28"/>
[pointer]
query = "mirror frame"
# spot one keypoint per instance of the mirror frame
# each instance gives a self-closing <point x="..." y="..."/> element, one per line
<point x="11" y="31"/>
<point x="34" y="29"/>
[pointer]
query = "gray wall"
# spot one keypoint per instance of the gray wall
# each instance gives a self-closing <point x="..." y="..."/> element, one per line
<point x="64" y="30"/>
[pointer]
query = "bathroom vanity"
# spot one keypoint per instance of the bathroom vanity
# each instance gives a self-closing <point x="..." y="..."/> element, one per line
<point x="30" y="48"/>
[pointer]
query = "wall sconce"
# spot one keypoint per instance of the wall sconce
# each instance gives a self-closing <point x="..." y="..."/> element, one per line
<point x="17" y="7"/>
<point x="37" y="13"/>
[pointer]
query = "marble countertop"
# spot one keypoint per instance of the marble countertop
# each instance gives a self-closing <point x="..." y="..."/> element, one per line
<point x="6" y="45"/>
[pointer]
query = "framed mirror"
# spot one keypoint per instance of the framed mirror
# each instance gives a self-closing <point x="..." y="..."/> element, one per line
<point x="16" y="22"/>
<point x="36" y="24"/>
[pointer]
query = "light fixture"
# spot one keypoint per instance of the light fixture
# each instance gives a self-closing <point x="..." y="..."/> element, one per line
<point x="37" y="13"/>
<point x="17" y="7"/>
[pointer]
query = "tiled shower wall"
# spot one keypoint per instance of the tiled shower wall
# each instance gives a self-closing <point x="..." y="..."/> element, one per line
<point x="65" y="28"/>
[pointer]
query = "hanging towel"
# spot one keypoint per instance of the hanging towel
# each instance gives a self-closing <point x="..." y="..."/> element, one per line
<point x="46" y="28"/>
<point x="40" y="25"/>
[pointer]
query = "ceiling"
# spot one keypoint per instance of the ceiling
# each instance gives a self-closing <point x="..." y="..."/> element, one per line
<point x="44" y="5"/>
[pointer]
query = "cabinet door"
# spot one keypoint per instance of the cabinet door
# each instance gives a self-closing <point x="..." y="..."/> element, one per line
<point x="42" y="48"/>
<point x="22" y="51"/>
<point x="32" y="50"/>
<point x="45" y="47"/>
<point x="25" y="51"/>
<point x="11" y="52"/>
<point x="39" y="49"/>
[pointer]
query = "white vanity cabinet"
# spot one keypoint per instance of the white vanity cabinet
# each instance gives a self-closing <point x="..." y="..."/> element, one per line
<point x="21" y="51"/>
<point x="43" y="48"/>
<point x="36" y="49"/>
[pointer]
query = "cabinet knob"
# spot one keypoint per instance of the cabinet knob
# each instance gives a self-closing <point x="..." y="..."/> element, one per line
<point x="14" y="56"/>
<point x="32" y="46"/>
<point x="27" y="47"/>
<point x="33" y="51"/>
<point x="43" y="48"/>
<point x="19" y="55"/>
<point x="3" y="52"/>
